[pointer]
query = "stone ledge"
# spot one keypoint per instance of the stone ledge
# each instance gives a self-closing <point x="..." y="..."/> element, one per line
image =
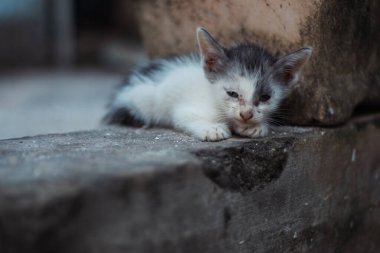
<point x="128" y="190"/>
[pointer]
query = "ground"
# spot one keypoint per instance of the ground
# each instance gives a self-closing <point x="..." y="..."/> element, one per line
<point x="41" y="102"/>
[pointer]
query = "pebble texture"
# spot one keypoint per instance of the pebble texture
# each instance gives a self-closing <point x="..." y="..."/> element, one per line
<point x="134" y="190"/>
<point x="343" y="72"/>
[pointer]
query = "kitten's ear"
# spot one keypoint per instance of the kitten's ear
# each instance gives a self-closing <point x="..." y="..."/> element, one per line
<point x="287" y="68"/>
<point x="213" y="55"/>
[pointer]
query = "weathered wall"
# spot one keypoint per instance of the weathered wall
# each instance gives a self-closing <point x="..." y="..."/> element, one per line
<point x="343" y="71"/>
<point x="126" y="190"/>
<point x="23" y="33"/>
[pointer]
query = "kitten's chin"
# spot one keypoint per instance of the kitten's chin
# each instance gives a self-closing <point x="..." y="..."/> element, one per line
<point x="248" y="123"/>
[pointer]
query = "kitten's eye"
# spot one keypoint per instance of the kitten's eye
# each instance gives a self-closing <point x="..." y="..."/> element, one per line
<point x="264" y="98"/>
<point x="232" y="94"/>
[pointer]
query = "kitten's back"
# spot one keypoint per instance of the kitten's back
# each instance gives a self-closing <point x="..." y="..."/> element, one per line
<point x="150" y="73"/>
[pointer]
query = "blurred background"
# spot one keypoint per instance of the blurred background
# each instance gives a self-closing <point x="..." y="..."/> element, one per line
<point x="60" y="61"/>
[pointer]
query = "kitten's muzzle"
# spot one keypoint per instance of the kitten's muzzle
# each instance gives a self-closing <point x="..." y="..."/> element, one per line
<point x="247" y="115"/>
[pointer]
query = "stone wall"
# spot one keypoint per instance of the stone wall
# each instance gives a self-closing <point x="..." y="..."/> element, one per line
<point x="345" y="66"/>
<point x="23" y="33"/>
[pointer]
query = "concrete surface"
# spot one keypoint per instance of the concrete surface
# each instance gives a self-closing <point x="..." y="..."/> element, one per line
<point x="343" y="71"/>
<point x="134" y="190"/>
<point x="41" y="102"/>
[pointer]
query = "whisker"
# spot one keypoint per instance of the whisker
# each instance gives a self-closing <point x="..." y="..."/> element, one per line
<point x="274" y="123"/>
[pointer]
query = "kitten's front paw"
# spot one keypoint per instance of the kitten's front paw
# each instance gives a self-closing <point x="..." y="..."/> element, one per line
<point x="215" y="132"/>
<point x="251" y="131"/>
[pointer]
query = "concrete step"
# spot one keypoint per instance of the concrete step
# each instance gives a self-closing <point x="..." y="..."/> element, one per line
<point x="153" y="190"/>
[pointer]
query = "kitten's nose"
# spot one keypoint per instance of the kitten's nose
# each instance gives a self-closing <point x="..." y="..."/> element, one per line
<point x="246" y="115"/>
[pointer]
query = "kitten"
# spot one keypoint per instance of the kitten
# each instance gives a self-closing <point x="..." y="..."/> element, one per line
<point x="210" y="95"/>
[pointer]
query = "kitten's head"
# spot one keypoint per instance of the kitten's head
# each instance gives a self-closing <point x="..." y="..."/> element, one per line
<point x="250" y="82"/>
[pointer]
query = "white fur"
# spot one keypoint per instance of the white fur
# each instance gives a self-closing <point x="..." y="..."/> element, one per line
<point x="185" y="100"/>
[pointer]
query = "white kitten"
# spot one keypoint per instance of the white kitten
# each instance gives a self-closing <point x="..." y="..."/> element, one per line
<point x="211" y="94"/>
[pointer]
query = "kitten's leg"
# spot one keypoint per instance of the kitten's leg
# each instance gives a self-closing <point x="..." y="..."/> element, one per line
<point x="192" y="122"/>
<point x="251" y="131"/>
<point x="206" y="131"/>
